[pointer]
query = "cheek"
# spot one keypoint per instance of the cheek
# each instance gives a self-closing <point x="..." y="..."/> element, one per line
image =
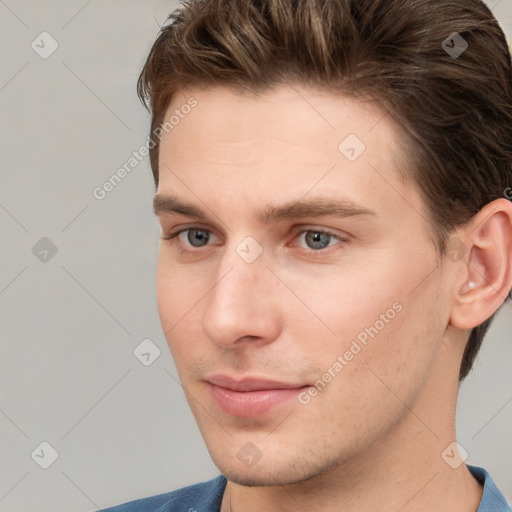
<point x="178" y="293"/>
<point x="179" y="289"/>
<point x="378" y="382"/>
<point x="343" y="303"/>
<point x="378" y="323"/>
<point x="166" y="294"/>
<point x="389" y="361"/>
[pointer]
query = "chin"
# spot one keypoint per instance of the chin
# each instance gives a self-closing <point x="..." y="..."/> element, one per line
<point x="270" y="472"/>
<point x="252" y="478"/>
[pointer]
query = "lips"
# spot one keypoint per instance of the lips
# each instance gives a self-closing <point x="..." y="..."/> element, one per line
<point x="250" y="397"/>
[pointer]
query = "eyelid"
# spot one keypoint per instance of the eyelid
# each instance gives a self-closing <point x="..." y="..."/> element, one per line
<point x="300" y="230"/>
<point x="175" y="233"/>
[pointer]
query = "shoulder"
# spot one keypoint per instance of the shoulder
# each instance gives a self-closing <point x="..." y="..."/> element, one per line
<point x="493" y="499"/>
<point x="201" y="497"/>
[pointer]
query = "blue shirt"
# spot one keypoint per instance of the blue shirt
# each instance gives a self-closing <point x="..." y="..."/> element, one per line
<point x="207" y="497"/>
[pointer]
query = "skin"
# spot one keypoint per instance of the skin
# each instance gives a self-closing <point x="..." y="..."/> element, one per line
<point x="373" y="437"/>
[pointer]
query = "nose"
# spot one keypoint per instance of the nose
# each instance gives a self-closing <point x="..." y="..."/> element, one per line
<point x="243" y="304"/>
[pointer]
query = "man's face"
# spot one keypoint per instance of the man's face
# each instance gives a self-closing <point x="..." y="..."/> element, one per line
<point x="297" y="350"/>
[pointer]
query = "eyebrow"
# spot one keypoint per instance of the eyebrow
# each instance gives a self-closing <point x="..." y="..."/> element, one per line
<point x="314" y="207"/>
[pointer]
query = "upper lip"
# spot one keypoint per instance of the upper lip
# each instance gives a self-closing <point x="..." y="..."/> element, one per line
<point x="250" y="383"/>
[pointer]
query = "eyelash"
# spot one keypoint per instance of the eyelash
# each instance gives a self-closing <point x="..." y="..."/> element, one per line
<point x="296" y="232"/>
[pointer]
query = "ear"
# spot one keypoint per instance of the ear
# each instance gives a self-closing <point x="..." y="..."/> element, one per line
<point x="484" y="276"/>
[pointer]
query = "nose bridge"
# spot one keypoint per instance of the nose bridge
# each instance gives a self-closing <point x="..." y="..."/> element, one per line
<point x="243" y="265"/>
<point x="241" y="276"/>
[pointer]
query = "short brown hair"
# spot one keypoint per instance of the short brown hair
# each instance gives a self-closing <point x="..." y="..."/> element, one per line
<point x="455" y="109"/>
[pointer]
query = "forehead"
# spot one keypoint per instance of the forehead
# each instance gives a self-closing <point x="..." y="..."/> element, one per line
<point x="288" y="121"/>
<point x="284" y="143"/>
<point x="289" y="113"/>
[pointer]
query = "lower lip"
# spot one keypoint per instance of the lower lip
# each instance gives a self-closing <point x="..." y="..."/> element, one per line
<point x="250" y="404"/>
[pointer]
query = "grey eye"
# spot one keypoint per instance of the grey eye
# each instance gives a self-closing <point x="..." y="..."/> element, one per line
<point x="198" y="237"/>
<point x="317" y="239"/>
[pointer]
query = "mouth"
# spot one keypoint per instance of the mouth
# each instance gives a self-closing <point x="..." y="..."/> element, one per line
<point x="250" y="397"/>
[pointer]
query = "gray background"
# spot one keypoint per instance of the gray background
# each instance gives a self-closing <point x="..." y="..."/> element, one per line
<point x="69" y="325"/>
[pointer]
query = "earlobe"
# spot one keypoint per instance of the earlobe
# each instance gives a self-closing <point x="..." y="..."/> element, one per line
<point x="487" y="268"/>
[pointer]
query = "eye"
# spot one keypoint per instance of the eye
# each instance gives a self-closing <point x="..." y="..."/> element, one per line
<point x="195" y="237"/>
<point x="317" y="240"/>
